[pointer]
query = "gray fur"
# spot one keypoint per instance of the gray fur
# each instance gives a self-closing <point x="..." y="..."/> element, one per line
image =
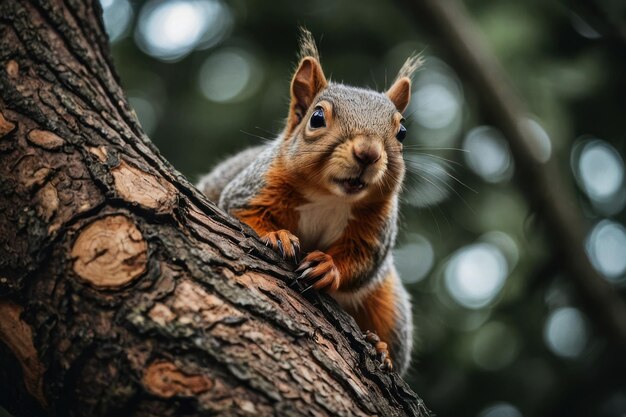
<point x="234" y="182"/>
<point x="401" y="342"/>
<point x="213" y="183"/>
<point x="381" y="255"/>
<point x="251" y="180"/>
<point x="307" y="45"/>
<point x="375" y="110"/>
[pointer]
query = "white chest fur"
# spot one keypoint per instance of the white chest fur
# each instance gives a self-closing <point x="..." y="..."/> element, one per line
<point x="322" y="221"/>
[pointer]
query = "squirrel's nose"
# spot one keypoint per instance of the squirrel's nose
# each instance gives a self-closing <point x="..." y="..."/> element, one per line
<point x="366" y="155"/>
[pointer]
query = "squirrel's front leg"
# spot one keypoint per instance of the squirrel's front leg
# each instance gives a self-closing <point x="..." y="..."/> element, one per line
<point x="384" y="314"/>
<point x="281" y="240"/>
<point x="382" y="311"/>
<point x="318" y="270"/>
<point x="337" y="268"/>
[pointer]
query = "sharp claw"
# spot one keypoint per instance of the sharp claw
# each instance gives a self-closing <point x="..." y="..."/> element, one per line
<point x="305" y="273"/>
<point x="280" y="248"/>
<point x="296" y="250"/>
<point x="386" y="364"/>
<point x="303" y="266"/>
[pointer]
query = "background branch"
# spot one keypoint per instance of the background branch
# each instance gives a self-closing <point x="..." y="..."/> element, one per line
<point x="448" y="23"/>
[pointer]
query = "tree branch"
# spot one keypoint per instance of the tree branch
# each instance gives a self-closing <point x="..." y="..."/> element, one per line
<point x="549" y="194"/>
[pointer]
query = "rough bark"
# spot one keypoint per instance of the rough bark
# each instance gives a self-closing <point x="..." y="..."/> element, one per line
<point x="123" y="291"/>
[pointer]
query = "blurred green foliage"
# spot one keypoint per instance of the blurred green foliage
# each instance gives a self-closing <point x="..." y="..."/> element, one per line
<point x="500" y="331"/>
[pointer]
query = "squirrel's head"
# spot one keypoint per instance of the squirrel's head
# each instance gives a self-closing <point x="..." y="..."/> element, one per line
<point x="344" y="140"/>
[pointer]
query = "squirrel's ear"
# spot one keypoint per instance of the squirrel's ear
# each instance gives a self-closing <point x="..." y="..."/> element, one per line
<point x="400" y="93"/>
<point x="308" y="80"/>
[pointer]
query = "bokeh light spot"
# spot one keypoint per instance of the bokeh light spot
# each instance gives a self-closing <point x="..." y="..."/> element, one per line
<point x="428" y="182"/>
<point x="117" y="15"/>
<point x="228" y="76"/>
<point x="437" y="106"/>
<point x="415" y="259"/>
<point x="565" y="332"/>
<point x="507" y="245"/>
<point x="583" y="27"/>
<point x="488" y="154"/>
<point x="500" y="410"/>
<point x="601" y="170"/>
<point x="475" y="274"/>
<point x="606" y="246"/>
<point x="169" y="30"/>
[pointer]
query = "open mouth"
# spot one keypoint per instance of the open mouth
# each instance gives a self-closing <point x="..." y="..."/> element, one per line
<point x="351" y="185"/>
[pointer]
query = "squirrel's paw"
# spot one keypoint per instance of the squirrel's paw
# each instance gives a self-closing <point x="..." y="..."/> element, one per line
<point x="319" y="272"/>
<point x="381" y="350"/>
<point x="283" y="242"/>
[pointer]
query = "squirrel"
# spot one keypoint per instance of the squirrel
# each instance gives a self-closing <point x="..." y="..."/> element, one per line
<point x="328" y="186"/>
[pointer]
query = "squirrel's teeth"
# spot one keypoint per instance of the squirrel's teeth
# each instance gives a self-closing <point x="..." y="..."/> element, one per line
<point x="352" y="185"/>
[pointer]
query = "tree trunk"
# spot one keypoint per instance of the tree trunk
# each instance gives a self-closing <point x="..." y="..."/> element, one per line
<point x="123" y="291"/>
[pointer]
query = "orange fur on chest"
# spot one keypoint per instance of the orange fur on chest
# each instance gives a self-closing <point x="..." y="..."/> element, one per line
<point x="274" y="208"/>
<point x="354" y="251"/>
<point x="377" y="311"/>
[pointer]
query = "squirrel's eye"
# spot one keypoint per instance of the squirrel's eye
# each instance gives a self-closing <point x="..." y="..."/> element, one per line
<point x="317" y="119"/>
<point x="401" y="133"/>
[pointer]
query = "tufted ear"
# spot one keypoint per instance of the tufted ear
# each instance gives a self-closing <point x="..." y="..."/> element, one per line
<point x="307" y="82"/>
<point x="400" y="93"/>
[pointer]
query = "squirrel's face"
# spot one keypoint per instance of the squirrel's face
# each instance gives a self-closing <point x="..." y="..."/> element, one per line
<point x="349" y="143"/>
<point x="343" y="140"/>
